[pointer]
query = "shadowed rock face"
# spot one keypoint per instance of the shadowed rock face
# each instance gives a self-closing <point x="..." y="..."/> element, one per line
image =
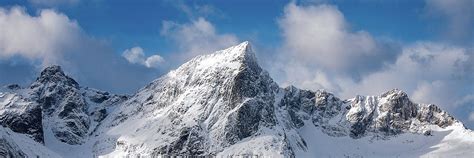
<point x="27" y="121"/>
<point x="389" y="114"/>
<point x="62" y="103"/>
<point x="253" y="89"/>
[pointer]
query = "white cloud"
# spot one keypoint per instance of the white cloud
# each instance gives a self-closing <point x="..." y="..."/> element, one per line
<point x="154" y="61"/>
<point x="197" y="37"/>
<point x="136" y="55"/>
<point x="44" y="37"/>
<point x="319" y="34"/>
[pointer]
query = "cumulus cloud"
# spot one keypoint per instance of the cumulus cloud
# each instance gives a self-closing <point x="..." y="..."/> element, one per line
<point x="459" y="17"/>
<point x="44" y="37"/>
<point x="320" y="36"/>
<point x="136" y="55"/>
<point x="197" y="37"/>
<point x="319" y="45"/>
<point x="52" y="38"/>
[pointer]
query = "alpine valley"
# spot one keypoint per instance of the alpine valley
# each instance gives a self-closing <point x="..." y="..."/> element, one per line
<point x="219" y="105"/>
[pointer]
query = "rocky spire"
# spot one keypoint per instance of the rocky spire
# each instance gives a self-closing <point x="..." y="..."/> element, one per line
<point x="54" y="74"/>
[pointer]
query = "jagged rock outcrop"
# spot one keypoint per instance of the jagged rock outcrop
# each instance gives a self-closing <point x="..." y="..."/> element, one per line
<point x="55" y="102"/>
<point x="391" y="113"/>
<point x="63" y="106"/>
<point x="9" y="150"/>
<point x="21" y="115"/>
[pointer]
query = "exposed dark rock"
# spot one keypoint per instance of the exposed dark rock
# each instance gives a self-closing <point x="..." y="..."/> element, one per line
<point x="13" y="87"/>
<point x="29" y="122"/>
<point x="8" y="150"/>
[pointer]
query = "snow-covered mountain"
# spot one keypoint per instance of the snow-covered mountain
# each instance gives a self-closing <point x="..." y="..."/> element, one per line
<point x="54" y="110"/>
<point x="224" y="105"/>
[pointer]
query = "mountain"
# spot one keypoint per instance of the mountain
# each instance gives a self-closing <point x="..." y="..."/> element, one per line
<point x="54" y="110"/>
<point x="224" y="105"/>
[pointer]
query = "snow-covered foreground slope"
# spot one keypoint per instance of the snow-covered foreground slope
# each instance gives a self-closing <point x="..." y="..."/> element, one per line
<point x="453" y="141"/>
<point x="225" y="105"/>
<point x="15" y="145"/>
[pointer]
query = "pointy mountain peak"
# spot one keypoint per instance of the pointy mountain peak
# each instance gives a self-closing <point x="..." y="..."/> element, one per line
<point x="241" y="49"/>
<point x="54" y="74"/>
<point x="242" y="52"/>
<point x="52" y="70"/>
<point x="230" y="59"/>
<point x="396" y="93"/>
<point x="245" y="50"/>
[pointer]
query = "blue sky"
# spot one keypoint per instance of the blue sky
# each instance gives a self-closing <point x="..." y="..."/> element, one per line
<point x="367" y="47"/>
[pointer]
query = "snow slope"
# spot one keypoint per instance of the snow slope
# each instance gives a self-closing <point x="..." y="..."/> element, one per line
<point x="16" y="145"/>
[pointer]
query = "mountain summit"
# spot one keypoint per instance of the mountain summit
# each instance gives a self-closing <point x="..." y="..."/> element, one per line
<point x="225" y="105"/>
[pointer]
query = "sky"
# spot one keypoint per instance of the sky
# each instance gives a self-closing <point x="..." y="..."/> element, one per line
<point x="360" y="47"/>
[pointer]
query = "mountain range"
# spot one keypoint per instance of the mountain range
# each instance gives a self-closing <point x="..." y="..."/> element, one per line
<point x="220" y="105"/>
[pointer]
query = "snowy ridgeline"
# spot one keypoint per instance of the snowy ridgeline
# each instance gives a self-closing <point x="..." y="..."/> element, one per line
<point x="220" y="105"/>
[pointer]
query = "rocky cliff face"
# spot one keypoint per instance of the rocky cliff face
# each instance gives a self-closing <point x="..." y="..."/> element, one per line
<point x="63" y="106"/>
<point x="389" y="114"/>
<point x="54" y="102"/>
<point x="222" y="104"/>
<point x="21" y="115"/>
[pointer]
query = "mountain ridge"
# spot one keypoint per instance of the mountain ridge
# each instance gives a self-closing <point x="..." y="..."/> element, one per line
<point x="224" y="104"/>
